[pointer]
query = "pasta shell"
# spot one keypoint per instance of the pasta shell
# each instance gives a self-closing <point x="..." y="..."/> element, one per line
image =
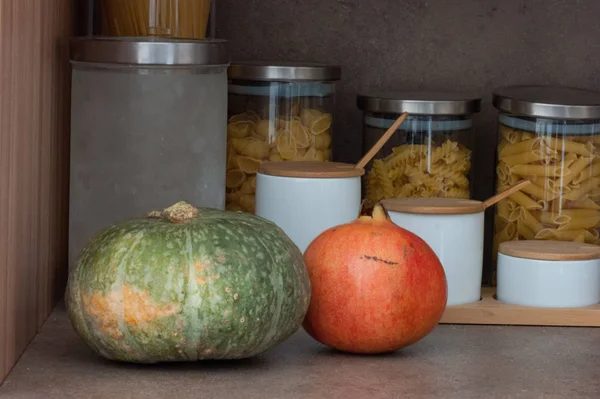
<point x="244" y="117"/>
<point x="286" y="152"/>
<point x="239" y="129"/>
<point x="274" y="156"/>
<point x="248" y="202"/>
<point x="299" y="155"/>
<point x="308" y="115"/>
<point x="321" y="156"/>
<point x="322" y="141"/>
<point x="234" y="178"/>
<point x="249" y="186"/>
<point x="248" y="165"/>
<point x="320" y="124"/>
<point x="311" y="154"/>
<point x="265" y="128"/>
<point x="251" y="147"/>
<point x="299" y="134"/>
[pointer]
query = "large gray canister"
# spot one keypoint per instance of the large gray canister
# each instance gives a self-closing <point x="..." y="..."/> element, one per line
<point x="148" y="129"/>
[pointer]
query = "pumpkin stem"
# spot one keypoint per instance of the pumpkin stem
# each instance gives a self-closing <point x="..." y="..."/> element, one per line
<point x="178" y="213"/>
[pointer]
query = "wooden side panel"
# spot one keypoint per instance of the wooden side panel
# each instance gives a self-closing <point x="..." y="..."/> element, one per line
<point x="34" y="154"/>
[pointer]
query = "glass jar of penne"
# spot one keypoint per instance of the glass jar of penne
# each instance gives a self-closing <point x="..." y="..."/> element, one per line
<point x="550" y="136"/>
<point x="429" y="155"/>
<point x="277" y="112"/>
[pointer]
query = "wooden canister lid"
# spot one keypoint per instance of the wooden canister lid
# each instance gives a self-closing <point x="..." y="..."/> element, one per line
<point x="550" y="250"/>
<point x="310" y="169"/>
<point x="433" y="206"/>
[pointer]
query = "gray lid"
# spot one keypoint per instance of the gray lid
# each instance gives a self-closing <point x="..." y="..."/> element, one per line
<point x="284" y="71"/>
<point x="419" y="102"/>
<point x="149" y="51"/>
<point x="548" y="102"/>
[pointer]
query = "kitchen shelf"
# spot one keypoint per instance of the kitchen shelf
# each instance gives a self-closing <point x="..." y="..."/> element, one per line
<point x="491" y="311"/>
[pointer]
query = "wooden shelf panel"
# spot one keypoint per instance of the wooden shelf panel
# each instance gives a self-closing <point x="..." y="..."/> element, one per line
<point x="491" y="311"/>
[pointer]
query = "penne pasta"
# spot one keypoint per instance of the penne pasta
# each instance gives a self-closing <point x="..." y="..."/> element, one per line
<point x="524" y="231"/>
<point x="531" y="222"/>
<point x="570" y="146"/>
<point x="527" y="146"/>
<point x="525" y="158"/>
<point x="552" y="218"/>
<point x="581" y="223"/>
<point x="575" y="168"/>
<point x="525" y="201"/>
<point x="539" y="170"/>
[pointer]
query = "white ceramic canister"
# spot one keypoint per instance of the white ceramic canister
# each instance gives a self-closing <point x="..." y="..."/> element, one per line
<point x="306" y="198"/>
<point x="453" y="228"/>
<point x="555" y="274"/>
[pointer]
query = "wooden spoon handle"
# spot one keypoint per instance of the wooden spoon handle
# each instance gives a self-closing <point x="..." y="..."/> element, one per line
<point x="381" y="142"/>
<point x="499" y="197"/>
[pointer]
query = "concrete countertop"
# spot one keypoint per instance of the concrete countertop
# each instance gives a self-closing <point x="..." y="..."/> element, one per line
<point x="452" y="362"/>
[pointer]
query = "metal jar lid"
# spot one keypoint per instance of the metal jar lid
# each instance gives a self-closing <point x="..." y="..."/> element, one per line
<point x="284" y="71"/>
<point x="548" y="102"/>
<point x="149" y="51"/>
<point x="419" y="103"/>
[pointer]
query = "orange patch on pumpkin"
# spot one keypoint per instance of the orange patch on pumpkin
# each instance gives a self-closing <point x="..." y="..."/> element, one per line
<point x="135" y="306"/>
<point x="139" y="308"/>
<point x="102" y="308"/>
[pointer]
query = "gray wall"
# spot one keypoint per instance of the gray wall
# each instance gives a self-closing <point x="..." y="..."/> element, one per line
<point x="471" y="45"/>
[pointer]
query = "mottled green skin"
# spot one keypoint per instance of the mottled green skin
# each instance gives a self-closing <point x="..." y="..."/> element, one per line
<point x="255" y="295"/>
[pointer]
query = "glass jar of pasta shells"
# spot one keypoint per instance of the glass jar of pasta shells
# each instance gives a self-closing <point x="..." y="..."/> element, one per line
<point x="550" y="136"/>
<point x="429" y="155"/>
<point x="277" y="112"/>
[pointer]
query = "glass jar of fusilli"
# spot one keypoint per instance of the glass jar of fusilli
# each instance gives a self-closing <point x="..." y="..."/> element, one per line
<point x="277" y="112"/>
<point x="550" y="136"/>
<point x="429" y="155"/>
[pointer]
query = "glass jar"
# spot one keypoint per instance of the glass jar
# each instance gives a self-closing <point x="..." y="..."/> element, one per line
<point x="429" y="155"/>
<point x="277" y="112"/>
<point x="550" y="136"/>
<point x="183" y="19"/>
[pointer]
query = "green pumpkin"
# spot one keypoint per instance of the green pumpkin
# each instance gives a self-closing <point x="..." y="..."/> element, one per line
<point x="187" y="284"/>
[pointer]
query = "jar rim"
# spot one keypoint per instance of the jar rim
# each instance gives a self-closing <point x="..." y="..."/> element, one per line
<point x="419" y="102"/>
<point x="555" y="102"/>
<point x="149" y="51"/>
<point x="284" y="71"/>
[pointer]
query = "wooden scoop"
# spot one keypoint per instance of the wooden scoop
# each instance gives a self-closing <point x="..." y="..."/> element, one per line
<point x="381" y="142"/>
<point x="499" y="197"/>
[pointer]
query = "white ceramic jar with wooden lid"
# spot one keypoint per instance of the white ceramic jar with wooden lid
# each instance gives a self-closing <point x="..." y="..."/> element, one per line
<point x="306" y="198"/>
<point x="548" y="274"/>
<point x="453" y="228"/>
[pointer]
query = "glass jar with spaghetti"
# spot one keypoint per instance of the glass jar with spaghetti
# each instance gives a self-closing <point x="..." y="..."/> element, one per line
<point x="550" y="136"/>
<point x="277" y="112"/>
<point x="429" y="155"/>
<point x="178" y="19"/>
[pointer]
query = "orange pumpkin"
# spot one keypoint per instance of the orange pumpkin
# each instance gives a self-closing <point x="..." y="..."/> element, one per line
<point x="376" y="287"/>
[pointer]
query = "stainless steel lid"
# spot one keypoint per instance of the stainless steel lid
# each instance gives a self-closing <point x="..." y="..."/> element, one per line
<point x="284" y="71"/>
<point x="149" y="51"/>
<point x="548" y="102"/>
<point x="419" y="102"/>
